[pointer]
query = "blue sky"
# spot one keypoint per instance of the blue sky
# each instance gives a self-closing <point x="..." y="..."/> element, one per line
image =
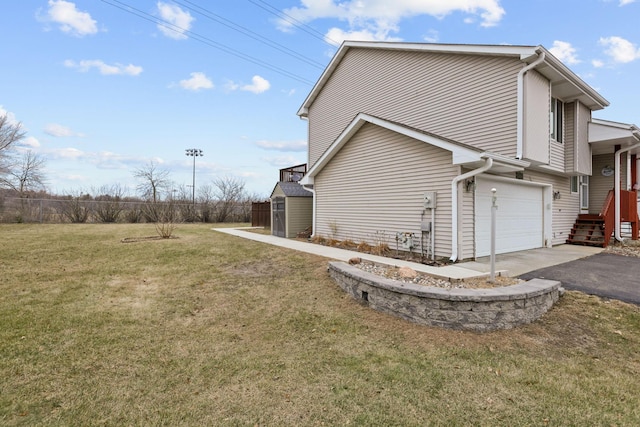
<point x="102" y="89"/>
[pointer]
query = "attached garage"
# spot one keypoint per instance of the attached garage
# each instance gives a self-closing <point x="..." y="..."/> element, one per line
<point x="520" y="217"/>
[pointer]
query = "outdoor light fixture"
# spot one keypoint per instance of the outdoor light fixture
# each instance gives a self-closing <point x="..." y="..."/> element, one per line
<point x="194" y="152"/>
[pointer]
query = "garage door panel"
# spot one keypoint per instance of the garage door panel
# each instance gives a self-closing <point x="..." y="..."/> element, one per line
<point x="519" y="217"/>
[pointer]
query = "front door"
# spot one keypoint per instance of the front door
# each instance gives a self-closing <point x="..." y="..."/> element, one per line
<point x="584" y="193"/>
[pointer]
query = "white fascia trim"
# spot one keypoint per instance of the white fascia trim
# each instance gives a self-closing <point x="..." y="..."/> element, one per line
<point x="494" y="50"/>
<point x="573" y="78"/>
<point x="460" y="154"/>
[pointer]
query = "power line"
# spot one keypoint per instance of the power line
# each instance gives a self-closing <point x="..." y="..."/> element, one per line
<point x="249" y="33"/>
<point x="205" y="40"/>
<point x="295" y="22"/>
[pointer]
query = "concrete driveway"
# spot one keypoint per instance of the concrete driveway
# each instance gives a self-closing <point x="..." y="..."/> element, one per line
<point x="604" y="274"/>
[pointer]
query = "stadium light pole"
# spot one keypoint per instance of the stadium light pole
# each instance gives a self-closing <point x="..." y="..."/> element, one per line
<point x="194" y="152"/>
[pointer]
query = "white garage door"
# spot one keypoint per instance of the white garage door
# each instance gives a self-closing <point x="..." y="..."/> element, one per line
<point x="519" y="218"/>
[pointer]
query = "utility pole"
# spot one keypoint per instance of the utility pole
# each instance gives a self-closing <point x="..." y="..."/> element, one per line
<point x="194" y="152"/>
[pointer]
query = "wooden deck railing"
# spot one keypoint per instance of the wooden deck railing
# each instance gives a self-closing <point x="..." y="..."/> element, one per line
<point x="628" y="213"/>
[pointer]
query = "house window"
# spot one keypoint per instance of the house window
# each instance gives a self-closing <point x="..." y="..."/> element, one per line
<point x="574" y="184"/>
<point x="555" y="119"/>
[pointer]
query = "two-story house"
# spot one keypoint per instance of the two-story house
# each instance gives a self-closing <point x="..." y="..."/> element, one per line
<point x="407" y="140"/>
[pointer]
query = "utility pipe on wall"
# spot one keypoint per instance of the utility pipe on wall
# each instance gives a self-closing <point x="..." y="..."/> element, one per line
<point x="520" y="106"/>
<point x="616" y="190"/>
<point x="454" y="203"/>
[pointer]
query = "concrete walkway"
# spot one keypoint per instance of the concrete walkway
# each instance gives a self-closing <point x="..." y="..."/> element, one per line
<point x="513" y="264"/>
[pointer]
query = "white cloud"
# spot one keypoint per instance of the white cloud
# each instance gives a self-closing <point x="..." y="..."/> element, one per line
<point x="258" y="85"/>
<point x="432" y="36"/>
<point x="281" y="161"/>
<point x="298" y="145"/>
<point x="30" y="142"/>
<point x="336" y="36"/>
<point x="179" y="21"/>
<point x="105" y="69"/>
<point x="619" y="49"/>
<point x="564" y="52"/>
<point x="376" y="19"/>
<point x="626" y="2"/>
<point x="197" y="82"/>
<point x="57" y="130"/>
<point x="231" y="86"/>
<point x="68" y="153"/>
<point x="11" y="118"/>
<point x="597" y="63"/>
<point x="70" y="19"/>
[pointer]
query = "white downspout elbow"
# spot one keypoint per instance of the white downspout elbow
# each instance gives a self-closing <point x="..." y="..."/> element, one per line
<point x="616" y="191"/>
<point x="454" y="204"/>
<point x="520" y="101"/>
<point x="313" y="211"/>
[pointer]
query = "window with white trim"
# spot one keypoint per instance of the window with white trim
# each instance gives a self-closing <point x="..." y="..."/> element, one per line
<point x="556" y="119"/>
<point x="574" y="184"/>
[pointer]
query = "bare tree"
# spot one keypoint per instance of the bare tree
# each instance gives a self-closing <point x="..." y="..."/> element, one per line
<point x="154" y="181"/>
<point x="109" y="204"/>
<point x="246" y="203"/>
<point x="76" y="207"/>
<point x="228" y="192"/>
<point x="25" y="174"/>
<point x="10" y="133"/>
<point x="206" y="197"/>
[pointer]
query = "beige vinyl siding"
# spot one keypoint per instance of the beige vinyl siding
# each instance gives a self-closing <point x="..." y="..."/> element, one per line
<point x="577" y="150"/>
<point x="600" y="185"/>
<point x="374" y="188"/>
<point x="583" y="148"/>
<point x="570" y="134"/>
<point x="536" y="118"/>
<point x="277" y="192"/>
<point x="299" y="214"/>
<point x="468" y="98"/>
<point x="556" y="162"/>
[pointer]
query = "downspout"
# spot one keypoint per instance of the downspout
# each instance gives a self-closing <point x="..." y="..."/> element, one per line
<point x="520" y="107"/>
<point x="454" y="203"/>
<point x="313" y="219"/>
<point x="616" y="190"/>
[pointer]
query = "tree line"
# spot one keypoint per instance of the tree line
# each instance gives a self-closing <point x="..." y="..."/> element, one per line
<point x="24" y="198"/>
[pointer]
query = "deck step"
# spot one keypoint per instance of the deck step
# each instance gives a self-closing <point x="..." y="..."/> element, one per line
<point x="588" y="230"/>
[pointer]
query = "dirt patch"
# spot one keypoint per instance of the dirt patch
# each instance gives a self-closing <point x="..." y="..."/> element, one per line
<point x="145" y="239"/>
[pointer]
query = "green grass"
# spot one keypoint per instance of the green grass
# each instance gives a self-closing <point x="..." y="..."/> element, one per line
<point x="209" y="329"/>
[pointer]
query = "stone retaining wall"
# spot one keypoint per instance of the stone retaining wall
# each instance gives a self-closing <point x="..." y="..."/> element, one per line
<point x="466" y="309"/>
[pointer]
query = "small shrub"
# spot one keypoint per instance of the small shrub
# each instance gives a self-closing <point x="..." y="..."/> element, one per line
<point x="364" y="247"/>
<point x="318" y="239"/>
<point x="348" y="244"/>
<point x="333" y="242"/>
<point x="380" y="249"/>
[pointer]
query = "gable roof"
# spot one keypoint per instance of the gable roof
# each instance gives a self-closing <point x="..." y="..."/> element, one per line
<point x="567" y="85"/>
<point x="462" y="154"/>
<point x="292" y="189"/>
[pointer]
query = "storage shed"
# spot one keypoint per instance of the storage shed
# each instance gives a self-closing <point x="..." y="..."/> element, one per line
<point x="291" y="209"/>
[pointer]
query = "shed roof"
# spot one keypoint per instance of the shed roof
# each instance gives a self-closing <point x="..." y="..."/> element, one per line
<point x="292" y="189"/>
